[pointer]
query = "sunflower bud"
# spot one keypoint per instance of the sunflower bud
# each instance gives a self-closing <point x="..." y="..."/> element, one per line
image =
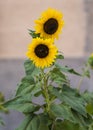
<point x="90" y="60"/>
<point x="1" y="97"/>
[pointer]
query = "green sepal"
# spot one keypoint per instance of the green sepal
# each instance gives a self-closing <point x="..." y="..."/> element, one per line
<point x="59" y="56"/>
<point x="34" y="34"/>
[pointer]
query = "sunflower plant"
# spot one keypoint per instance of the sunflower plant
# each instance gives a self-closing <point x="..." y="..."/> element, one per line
<point x="62" y="107"/>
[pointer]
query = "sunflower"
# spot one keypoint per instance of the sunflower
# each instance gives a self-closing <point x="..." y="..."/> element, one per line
<point x="42" y="52"/>
<point x="50" y="24"/>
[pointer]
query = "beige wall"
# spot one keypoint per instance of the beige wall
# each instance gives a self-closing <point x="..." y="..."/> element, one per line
<point x="16" y="16"/>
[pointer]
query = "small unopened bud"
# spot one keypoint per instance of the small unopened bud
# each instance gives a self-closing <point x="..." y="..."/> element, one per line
<point x="1" y="97"/>
<point x="90" y="60"/>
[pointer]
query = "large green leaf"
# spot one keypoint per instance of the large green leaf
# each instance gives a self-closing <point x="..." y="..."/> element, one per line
<point x="37" y="122"/>
<point x="67" y="69"/>
<point x="62" y="111"/>
<point x="83" y="121"/>
<point x="26" y="90"/>
<point x="71" y="99"/>
<point x="65" y="113"/>
<point x="88" y="96"/>
<point x="57" y="76"/>
<point x="28" y="86"/>
<point x="30" y="68"/>
<point x="25" y="123"/>
<point x="36" y="90"/>
<point x="22" y="104"/>
<point x="27" y="83"/>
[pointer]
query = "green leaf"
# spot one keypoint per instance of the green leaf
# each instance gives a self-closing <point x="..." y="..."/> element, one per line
<point x="84" y="122"/>
<point x="65" y="113"/>
<point x="67" y="70"/>
<point x="36" y="90"/>
<point x="26" y="84"/>
<point x="88" y="96"/>
<point x="30" y="68"/>
<point x="57" y="76"/>
<point x="22" y="104"/>
<point x="44" y="122"/>
<point x="72" y="99"/>
<point x="35" y="122"/>
<point x="62" y="111"/>
<point x="26" y="90"/>
<point x="33" y="34"/>
<point x="25" y="123"/>
<point x="67" y="125"/>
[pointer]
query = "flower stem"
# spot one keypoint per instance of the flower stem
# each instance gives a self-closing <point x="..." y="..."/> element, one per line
<point x="85" y="73"/>
<point x="45" y="91"/>
<point x="80" y="82"/>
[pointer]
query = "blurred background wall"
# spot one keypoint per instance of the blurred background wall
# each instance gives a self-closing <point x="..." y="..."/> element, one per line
<point x="16" y="17"/>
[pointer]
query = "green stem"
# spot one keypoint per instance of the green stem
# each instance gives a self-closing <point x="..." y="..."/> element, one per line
<point x="46" y="95"/>
<point x="83" y="75"/>
<point x="45" y="91"/>
<point x="53" y="125"/>
<point x="80" y="82"/>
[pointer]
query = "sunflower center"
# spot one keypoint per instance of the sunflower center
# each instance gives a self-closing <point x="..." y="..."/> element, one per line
<point x="41" y="51"/>
<point x="51" y="26"/>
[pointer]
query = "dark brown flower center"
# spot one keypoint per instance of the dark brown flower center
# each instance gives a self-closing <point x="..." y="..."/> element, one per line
<point x="51" y="26"/>
<point x="41" y="51"/>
